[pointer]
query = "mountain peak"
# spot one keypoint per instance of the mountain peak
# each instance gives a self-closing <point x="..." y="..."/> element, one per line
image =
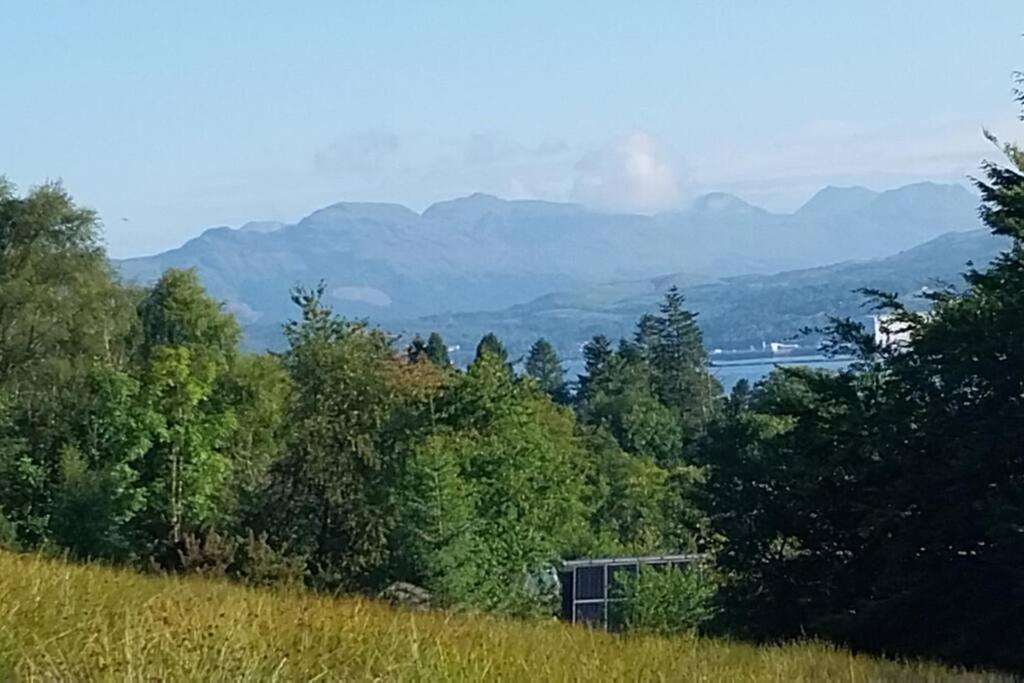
<point x="832" y="200"/>
<point x="722" y="202"/>
<point x="471" y="207"/>
<point x="377" y="212"/>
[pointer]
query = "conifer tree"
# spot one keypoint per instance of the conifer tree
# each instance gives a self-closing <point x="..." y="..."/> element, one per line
<point x="437" y="351"/>
<point x="416" y="350"/>
<point x="490" y="344"/>
<point x="544" y="365"/>
<point x="674" y="348"/>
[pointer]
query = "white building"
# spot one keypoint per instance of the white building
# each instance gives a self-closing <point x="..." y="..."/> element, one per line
<point x="890" y="332"/>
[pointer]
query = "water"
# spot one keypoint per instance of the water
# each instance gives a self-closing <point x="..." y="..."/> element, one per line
<point x="730" y="372"/>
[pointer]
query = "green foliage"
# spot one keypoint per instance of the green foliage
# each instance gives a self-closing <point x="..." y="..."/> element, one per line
<point x="497" y="493"/>
<point x="332" y="495"/>
<point x="177" y="312"/>
<point x="631" y="496"/>
<point x="186" y="470"/>
<point x="259" y="391"/>
<point x="437" y="351"/>
<point x="433" y="350"/>
<point x="8" y="535"/>
<point x="249" y="559"/>
<point x="490" y="344"/>
<point x="859" y="506"/>
<point x="674" y="347"/>
<point x="664" y="600"/>
<point x="854" y="506"/>
<point x="94" y="508"/>
<point x="544" y="365"/>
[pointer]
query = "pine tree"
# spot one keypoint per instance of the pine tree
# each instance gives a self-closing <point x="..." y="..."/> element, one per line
<point x="675" y="350"/>
<point x="437" y="351"/>
<point x="490" y="344"/>
<point x="416" y="350"/>
<point x="597" y="353"/>
<point x="544" y="365"/>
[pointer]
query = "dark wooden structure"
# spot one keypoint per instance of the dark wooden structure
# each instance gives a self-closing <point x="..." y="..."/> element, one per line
<point x="589" y="586"/>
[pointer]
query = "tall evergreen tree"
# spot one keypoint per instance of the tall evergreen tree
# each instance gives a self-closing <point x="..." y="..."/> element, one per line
<point x="437" y="351"/>
<point x="674" y="347"/>
<point x="597" y="353"/>
<point x="544" y="365"/>
<point x="490" y="344"/>
<point x="493" y="346"/>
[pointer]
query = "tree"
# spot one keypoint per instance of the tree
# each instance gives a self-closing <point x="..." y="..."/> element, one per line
<point x="544" y="365"/>
<point x="490" y="344"/>
<point x="259" y="391"/>
<point x="674" y="346"/>
<point x="186" y="472"/>
<point x="881" y="506"/>
<point x="618" y="397"/>
<point x="417" y="349"/>
<point x="61" y="311"/>
<point x="596" y="354"/>
<point x="496" y="491"/>
<point x="631" y="498"/>
<point x="187" y="346"/>
<point x="333" y="495"/>
<point x="99" y="496"/>
<point x="176" y="311"/>
<point x="437" y="351"/>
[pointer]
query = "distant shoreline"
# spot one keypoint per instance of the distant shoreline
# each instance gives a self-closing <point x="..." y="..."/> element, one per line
<point x="781" y="359"/>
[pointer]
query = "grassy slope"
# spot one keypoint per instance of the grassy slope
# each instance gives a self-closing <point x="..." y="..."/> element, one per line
<point x="71" y="622"/>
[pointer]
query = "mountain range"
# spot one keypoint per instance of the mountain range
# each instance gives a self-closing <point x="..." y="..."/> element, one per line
<point x="482" y="253"/>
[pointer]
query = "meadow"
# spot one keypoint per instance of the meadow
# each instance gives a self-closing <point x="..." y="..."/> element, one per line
<point x="76" y="622"/>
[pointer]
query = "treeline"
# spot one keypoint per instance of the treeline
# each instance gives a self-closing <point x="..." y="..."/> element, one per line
<point x="882" y="506"/>
<point x="132" y="429"/>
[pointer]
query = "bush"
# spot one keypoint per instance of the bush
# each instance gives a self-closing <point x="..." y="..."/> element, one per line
<point x="8" y="537"/>
<point x="259" y="564"/>
<point x="208" y="555"/>
<point x="250" y="559"/>
<point x="664" y="600"/>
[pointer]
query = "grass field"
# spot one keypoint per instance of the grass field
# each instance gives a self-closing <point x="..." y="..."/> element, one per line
<point x="67" y="622"/>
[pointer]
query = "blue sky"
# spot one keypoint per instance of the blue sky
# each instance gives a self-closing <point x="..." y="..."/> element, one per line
<point x="177" y="116"/>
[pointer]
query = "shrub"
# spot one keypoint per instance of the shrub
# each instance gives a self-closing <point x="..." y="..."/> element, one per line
<point x="664" y="600"/>
<point x="250" y="559"/>
<point x="8" y="537"/>
<point x="257" y="563"/>
<point x="208" y="555"/>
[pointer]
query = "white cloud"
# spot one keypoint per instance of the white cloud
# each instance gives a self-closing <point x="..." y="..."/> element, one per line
<point x="636" y="173"/>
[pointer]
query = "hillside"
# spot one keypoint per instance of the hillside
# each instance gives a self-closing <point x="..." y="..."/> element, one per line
<point x="70" y="622"/>
<point x="387" y="262"/>
<point x="735" y="312"/>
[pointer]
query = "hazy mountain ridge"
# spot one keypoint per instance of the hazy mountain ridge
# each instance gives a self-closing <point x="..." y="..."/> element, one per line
<point x="480" y="252"/>
<point x="735" y="312"/>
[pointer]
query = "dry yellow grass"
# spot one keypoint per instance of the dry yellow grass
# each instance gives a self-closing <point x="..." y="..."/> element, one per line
<point x="68" y="622"/>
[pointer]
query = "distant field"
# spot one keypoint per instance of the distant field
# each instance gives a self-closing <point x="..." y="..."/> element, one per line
<point x="66" y="622"/>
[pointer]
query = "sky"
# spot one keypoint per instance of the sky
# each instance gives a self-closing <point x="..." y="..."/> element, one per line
<point x="168" y="118"/>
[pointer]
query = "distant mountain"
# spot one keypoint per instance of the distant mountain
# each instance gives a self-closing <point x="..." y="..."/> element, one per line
<point x="836" y="201"/>
<point x="734" y="312"/>
<point x="480" y="252"/>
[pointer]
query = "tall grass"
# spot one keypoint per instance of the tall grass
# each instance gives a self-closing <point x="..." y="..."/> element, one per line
<point x="67" y="622"/>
